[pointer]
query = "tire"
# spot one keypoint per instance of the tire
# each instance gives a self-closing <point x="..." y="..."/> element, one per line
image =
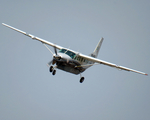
<point x="54" y="72"/>
<point x="51" y="69"/>
<point x="82" y="79"/>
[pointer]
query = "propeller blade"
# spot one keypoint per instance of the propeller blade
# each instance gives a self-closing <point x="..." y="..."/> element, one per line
<point x="55" y="50"/>
<point x="50" y="62"/>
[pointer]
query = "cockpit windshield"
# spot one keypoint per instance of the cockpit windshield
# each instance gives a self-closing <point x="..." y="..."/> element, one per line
<point x="71" y="54"/>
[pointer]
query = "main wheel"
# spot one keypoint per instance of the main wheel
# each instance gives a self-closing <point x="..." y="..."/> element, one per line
<point x="54" y="72"/>
<point x="82" y="79"/>
<point x="51" y="69"/>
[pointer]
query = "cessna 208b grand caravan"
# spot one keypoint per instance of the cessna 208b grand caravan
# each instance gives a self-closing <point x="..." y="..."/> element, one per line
<point x="72" y="61"/>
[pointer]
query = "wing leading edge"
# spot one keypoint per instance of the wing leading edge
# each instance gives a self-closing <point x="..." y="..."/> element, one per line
<point x="34" y="37"/>
<point x="79" y="54"/>
<point x="110" y="64"/>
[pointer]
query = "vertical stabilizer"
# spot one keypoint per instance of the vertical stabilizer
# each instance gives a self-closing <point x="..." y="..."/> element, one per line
<point x="96" y="51"/>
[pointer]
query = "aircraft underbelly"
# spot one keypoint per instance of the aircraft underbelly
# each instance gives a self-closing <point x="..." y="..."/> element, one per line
<point x="69" y="68"/>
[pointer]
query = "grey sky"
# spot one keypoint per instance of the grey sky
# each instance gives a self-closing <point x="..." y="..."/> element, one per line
<point x="27" y="89"/>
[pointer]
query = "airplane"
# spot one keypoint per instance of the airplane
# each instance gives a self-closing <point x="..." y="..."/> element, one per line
<point x="72" y="61"/>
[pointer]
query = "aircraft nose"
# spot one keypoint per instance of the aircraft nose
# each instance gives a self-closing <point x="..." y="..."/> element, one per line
<point x="64" y="56"/>
<point x="58" y="57"/>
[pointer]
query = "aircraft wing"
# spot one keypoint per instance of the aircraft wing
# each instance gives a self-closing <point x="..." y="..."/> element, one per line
<point x="95" y="60"/>
<point x="34" y="37"/>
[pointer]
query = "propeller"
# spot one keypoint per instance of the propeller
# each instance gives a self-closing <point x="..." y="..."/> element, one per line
<point x="56" y="56"/>
<point x="50" y="62"/>
<point x="55" y="50"/>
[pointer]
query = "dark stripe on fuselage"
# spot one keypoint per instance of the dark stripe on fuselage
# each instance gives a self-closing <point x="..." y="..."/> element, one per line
<point x="69" y="66"/>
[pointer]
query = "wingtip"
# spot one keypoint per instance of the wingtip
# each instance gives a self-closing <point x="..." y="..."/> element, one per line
<point x="146" y="74"/>
<point x="4" y="24"/>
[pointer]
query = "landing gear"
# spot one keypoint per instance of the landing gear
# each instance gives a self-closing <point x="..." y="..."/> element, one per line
<point x="51" y="69"/>
<point x="82" y="79"/>
<point x="54" y="72"/>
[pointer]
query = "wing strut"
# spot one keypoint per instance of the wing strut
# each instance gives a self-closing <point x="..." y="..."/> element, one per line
<point x="48" y="49"/>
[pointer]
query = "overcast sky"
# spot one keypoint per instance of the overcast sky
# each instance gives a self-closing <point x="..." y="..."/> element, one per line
<point x="29" y="92"/>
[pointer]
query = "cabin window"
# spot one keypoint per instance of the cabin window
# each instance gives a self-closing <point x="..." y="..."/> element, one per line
<point x="86" y="61"/>
<point x="79" y="58"/>
<point x="62" y="50"/>
<point x="71" y="54"/>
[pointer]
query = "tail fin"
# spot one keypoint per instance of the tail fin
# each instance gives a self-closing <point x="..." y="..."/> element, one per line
<point x="96" y="51"/>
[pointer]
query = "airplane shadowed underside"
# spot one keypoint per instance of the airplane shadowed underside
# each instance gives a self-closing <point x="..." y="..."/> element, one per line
<point x="72" y="61"/>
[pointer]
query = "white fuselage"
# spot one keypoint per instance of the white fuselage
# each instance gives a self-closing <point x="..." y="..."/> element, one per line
<point x="66" y="62"/>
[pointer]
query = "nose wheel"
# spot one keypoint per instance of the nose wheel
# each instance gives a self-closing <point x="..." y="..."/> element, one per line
<point x="51" y="69"/>
<point x="81" y="79"/>
<point x="54" y="72"/>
